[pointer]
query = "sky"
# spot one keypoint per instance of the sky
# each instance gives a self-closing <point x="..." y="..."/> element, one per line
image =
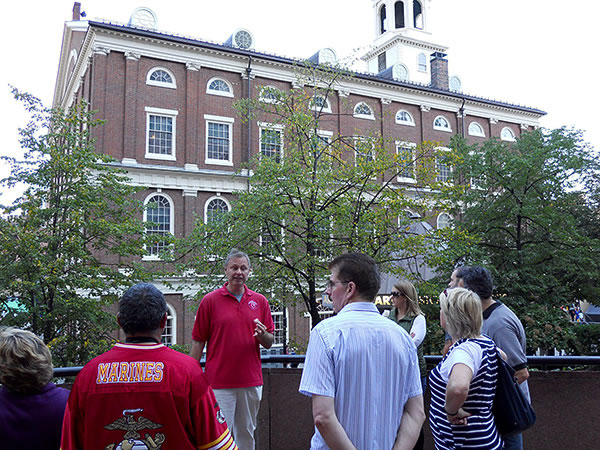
<point x="537" y="53"/>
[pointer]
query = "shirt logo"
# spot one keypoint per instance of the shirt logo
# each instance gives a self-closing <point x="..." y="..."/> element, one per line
<point x="252" y="305"/>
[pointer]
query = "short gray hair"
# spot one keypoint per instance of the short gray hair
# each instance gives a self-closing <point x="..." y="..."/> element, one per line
<point x="235" y="253"/>
<point x="25" y="361"/>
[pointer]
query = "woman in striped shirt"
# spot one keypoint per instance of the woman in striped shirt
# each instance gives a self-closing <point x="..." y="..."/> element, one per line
<point x="464" y="382"/>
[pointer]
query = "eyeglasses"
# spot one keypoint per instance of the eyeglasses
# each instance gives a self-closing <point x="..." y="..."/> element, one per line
<point x="331" y="284"/>
<point x="396" y="294"/>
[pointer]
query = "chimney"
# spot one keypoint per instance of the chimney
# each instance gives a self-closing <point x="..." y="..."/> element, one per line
<point x="77" y="11"/>
<point x="439" y="71"/>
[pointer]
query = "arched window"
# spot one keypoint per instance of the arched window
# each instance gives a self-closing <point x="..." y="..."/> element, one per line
<point x="219" y="86"/>
<point x="382" y="17"/>
<point x="444" y="220"/>
<point x="476" y="130"/>
<point x="422" y="62"/>
<point x="441" y="123"/>
<point x="363" y="111"/>
<point x="507" y="134"/>
<point x="320" y="103"/>
<point x="399" y="14"/>
<point x="404" y="118"/>
<point x="158" y="214"/>
<point x="270" y="94"/>
<point x="215" y="208"/>
<point x="418" y="14"/>
<point x="169" y="335"/>
<point x="159" y="76"/>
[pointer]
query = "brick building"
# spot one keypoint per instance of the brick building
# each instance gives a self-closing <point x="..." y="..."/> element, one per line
<point x="167" y="102"/>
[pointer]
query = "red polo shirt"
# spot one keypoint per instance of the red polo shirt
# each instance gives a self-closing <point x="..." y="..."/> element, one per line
<point x="227" y="326"/>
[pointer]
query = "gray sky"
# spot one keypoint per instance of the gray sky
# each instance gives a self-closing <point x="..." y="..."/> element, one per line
<point x="538" y="53"/>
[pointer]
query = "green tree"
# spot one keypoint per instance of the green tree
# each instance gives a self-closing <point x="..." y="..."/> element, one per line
<point x="529" y="217"/>
<point x="66" y="237"/>
<point x="312" y="196"/>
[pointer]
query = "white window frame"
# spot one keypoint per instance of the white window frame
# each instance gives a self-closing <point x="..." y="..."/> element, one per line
<point x="172" y="316"/>
<point x="172" y="85"/>
<point x="214" y="197"/>
<point x="447" y="129"/>
<point x="413" y="147"/>
<point x="148" y="257"/>
<point x="511" y="135"/>
<point x="422" y="62"/>
<point x="370" y="116"/>
<point x="172" y="113"/>
<point x="437" y="223"/>
<point x="229" y="121"/>
<point x="358" y="139"/>
<point x="274" y="127"/>
<point x="475" y="129"/>
<point x="314" y="107"/>
<point x="443" y="149"/>
<point x="410" y="123"/>
<point x="264" y="99"/>
<point x="280" y="311"/>
<point x="221" y="93"/>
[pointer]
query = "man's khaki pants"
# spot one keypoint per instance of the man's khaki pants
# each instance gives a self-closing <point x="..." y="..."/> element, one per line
<point x="240" y="408"/>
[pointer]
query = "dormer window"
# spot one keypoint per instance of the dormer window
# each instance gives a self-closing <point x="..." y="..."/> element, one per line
<point x="441" y="124"/>
<point x="162" y="77"/>
<point x="363" y="111"/>
<point x="219" y="86"/>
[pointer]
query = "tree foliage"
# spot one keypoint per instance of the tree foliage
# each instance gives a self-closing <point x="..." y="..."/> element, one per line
<point x="64" y="239"/>
<point x="313" y="196"/>
<point x="529" y="212"/>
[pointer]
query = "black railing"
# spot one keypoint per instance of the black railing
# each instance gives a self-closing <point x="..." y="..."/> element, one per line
<point x="538" y="362"/>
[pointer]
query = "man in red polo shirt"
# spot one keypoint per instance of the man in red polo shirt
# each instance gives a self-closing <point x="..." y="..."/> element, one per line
<point x="232" y="321"/>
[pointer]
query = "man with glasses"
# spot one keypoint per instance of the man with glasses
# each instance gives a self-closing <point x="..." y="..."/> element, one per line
<point x="361" y="369"/>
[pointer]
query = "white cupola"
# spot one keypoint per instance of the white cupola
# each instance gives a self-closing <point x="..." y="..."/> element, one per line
<point x="403" y="39"/>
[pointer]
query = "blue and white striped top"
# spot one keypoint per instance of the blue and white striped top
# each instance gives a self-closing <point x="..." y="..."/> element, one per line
<point x="480" y="432"/>
<point x="369" y="365"/>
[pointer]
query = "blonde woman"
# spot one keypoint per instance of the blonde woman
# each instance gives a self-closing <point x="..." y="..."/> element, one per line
<point x="407" y="313"/>
<point x="31" y="408"/>
<point x="463" y="384"/>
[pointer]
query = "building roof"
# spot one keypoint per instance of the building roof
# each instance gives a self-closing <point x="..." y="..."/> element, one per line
<point x="186" y="40"/>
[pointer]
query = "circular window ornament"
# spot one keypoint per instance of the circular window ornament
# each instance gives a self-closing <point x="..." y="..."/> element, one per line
<point x="144" y="18"/>
<point x="243" y="39"/>
<point x="455" y="84"/>
<point x="400" y="72"/>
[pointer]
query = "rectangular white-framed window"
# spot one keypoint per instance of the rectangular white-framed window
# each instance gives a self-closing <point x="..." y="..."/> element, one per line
<point x="442" y="166"/>
<point x="279" y="314"/>
<point x="161" y="133"/>
<point x="219" y="140"/>
<point x="364" y="149"/>
<point x="271" y="140"/>
<point x="406" y="154"/>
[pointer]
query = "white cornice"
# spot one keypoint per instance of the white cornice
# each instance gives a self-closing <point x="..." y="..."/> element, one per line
<point x="186" y="181"/>
<point x="403" y="40"/>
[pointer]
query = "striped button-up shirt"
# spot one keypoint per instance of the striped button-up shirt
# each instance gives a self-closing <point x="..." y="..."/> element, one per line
<point x="369" y="365"/>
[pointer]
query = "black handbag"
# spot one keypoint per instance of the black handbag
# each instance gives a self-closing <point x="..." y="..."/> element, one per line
<point x="512" y="411"/>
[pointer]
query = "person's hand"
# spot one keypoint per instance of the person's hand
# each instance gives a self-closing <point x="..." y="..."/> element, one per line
<point x="460" y="418"/>
<point x="260" y="329"/>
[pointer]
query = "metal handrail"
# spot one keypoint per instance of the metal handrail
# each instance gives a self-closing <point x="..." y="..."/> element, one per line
<point x="543" y="362"/>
